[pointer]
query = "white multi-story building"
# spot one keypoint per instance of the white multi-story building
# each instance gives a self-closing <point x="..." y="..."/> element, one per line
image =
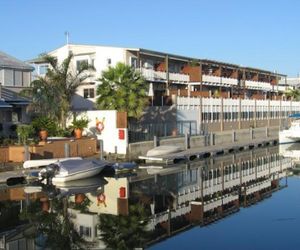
<point x="167" y="74"/>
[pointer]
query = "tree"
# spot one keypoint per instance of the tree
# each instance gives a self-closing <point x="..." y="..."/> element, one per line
<point x="52" y="94"/>
<point x="123" y="89"/>
<point x="125" y="232"/>
<point x="293" y="93"/>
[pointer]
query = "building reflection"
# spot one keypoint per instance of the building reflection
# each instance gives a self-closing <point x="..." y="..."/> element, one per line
<point x="174" y="198"/>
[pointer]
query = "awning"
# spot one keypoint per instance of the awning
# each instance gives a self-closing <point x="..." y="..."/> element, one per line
<point x="4" y="104"/>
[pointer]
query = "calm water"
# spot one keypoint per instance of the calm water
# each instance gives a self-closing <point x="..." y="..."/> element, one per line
<point x="271" y="224"/>
<point x="235" y="201"/>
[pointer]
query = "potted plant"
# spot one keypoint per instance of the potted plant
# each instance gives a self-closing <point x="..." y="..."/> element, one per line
<point x="44" y="126"/>
<point x="78" y="125"/>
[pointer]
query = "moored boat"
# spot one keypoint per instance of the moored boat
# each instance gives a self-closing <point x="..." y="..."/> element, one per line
<point x="73" y="169"/>
<point x="292" y="134"/>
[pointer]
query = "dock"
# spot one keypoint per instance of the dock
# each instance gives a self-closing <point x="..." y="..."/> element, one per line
<point x="200" y="153"/>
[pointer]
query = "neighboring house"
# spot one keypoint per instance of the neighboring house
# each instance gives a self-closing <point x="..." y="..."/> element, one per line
<point x="15" y="75"/>
<point x="167" y="74"/>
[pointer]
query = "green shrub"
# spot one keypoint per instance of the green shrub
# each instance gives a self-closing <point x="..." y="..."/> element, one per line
<point x="44" y="123"/>
<point x="80" y="123"/>
<point x="24" y="132"/>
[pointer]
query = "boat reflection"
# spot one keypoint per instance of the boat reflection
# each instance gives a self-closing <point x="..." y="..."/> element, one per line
<point x="139" y="209"/>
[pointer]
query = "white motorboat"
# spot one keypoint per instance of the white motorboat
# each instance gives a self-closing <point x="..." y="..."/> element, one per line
<point x="46" y="162"/>
<point x="163" y="150"/>
<point x="70" y="170"/>
<point x="292" y="134"/>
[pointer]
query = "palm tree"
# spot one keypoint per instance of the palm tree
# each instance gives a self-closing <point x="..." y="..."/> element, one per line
<point x="54" y="92"/>
<point x="125" y="232"/>
<point x="293" y="93"/>
<point x="122" y="89"/>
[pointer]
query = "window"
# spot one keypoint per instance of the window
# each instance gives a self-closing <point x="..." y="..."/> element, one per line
<point x="85" y="231"/>
<point x="108" y="61"/>
<point x="43" y="69"/>
<point x="79" y="63"/>
<point x="89" y="93"/>
<point x="133" y="62"/>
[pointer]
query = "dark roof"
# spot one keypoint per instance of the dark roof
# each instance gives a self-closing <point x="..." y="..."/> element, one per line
<point x="7" y="61"/>
<point x="12" y="96"/>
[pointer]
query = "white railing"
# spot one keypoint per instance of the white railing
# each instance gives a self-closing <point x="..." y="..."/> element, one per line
<point x="230" y="81"/>
<point x="258" y="85"/>
<point x="153" y="75"/>
<point x="177" y="77"/>
<point x="257" y="187"/>
<point x="219" y="80"/>
<point x="212" y="79"/>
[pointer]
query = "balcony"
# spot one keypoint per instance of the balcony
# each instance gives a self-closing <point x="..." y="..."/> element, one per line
<point x="152" y="75"/>
<point x="258" y="85"/>
<point x="219" y="80"/>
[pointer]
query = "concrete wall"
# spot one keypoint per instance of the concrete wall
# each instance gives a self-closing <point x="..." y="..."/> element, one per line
<point x="241" y="136"/>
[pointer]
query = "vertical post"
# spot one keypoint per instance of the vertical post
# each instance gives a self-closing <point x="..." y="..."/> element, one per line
<point x="167" y="74"/>
<point x="101" y="149"/>
<point x="200" y="115"/>
<point x="267" y="132"/>
<point x="26" y="153"/>
<point x="255" y="111"/>
<point x="155" y="141"/>
<point x="222" y="114"/>
<point x="233" y="136"/>
<point x="200" y="76"/>
<point x="212" y="139"/>
<point x="67" y="150"/>
<point x="240" y="113"/>
<point x="251" y="133"/>
<point x="186" y="140"/>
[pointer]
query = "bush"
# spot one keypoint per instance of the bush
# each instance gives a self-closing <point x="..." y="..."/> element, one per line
<point x="44" y="123"/>
<point x="24" y="132"/>
<point x="80" y="123"/>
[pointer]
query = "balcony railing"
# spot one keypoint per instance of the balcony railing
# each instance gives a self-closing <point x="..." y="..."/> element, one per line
<point x="153" y="75"/>
<point x="258" y="85"/>
<point x="219" y="80"/>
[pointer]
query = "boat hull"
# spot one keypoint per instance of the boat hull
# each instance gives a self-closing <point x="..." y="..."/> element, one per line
<point x="286" y="136"/>
<point x="79" y="175"/>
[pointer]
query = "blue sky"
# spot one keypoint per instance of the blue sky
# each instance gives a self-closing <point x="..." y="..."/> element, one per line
<point x="257" y="33"/>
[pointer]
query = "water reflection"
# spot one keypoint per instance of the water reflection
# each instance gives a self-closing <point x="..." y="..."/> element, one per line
<point x="135" y="210"/>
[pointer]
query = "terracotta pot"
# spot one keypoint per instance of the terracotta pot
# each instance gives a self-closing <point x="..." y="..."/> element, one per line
<point x="79" y="198"/>
<point x="78" y="133"/>
<point x="43" y="135"/>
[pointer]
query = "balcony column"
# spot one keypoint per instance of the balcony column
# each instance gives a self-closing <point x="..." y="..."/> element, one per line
<point x="222" y="114"/>
<point x="139" y="60"/>
<point x="244" y="82"/>
<point x="220" y="74"/>
<point x="200" y="67"/>
<point x="240" y="113"/>
<point x="167" y="74"/>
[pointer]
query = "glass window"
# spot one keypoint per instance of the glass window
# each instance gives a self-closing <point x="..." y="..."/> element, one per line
<point x="79" y="63"/>
<point x="133" y="62"/>
<point x="89" y="93"/>
<point x="43" y="69"/>
<point x="109" y="61"/>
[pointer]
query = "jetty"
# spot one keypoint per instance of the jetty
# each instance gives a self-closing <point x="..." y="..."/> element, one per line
<point x="199" y="153"/>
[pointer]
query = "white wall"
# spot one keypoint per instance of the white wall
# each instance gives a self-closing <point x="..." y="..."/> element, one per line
<point x="110" y="133"/>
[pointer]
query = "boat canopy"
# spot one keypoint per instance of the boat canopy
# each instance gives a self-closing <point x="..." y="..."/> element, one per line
<point x="297" y="115"/>
<point x="74" y="166"/>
